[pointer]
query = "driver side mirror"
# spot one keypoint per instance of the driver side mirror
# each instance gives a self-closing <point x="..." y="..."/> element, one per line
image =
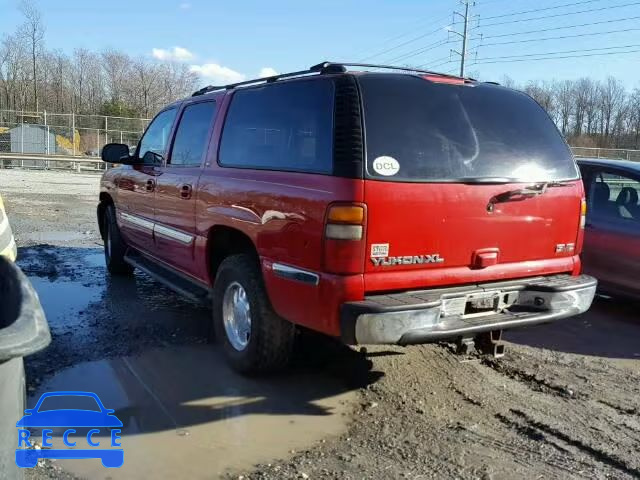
<point x="117" y="153"/>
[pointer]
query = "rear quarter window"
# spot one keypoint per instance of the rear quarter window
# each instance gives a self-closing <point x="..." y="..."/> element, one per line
<point x="287" y="126"/>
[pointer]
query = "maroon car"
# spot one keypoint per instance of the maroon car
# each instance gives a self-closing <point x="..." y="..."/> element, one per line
<point x="612" y="235"/>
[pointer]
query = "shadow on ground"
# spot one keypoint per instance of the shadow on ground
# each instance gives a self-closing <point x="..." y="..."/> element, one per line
<point x="611" y="328"/>
<point x="134" y="333"/>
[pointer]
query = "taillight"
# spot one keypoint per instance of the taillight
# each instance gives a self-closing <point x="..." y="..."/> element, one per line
<point x="583" y="213"/>
<point x="344" y="238"/>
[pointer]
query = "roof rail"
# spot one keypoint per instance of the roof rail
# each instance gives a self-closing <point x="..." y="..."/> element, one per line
<point x="326" y="65"/>
<point x="320" y="68"/>
<point x="315" y="69"/>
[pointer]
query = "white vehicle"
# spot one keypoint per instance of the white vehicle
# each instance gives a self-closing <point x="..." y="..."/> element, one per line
<point x="7" y="242"/>
<point x="23" y="331"/>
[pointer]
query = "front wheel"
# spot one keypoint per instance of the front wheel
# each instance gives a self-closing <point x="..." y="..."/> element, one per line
<point x="114" y="246"/>
<point x="254" y="338"/>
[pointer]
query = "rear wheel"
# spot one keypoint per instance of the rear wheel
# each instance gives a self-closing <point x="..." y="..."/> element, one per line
<point x="114" y="245"/>
<point x="254" y="338"/>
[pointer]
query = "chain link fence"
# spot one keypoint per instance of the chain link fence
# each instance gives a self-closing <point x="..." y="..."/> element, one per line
<point x="47" y="135"/>
<point x="66" y="134"/>
<point x="611" y="153"/>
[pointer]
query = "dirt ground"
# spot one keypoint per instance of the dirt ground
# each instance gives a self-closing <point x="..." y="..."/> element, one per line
<point x="563" y="403"/>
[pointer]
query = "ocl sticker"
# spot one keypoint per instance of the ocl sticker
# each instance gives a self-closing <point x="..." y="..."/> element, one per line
<point x="387" y="166"/>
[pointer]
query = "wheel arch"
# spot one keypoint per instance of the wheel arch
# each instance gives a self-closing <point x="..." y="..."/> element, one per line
<point x="105" y="201"/>
<point x="224" y="241"/>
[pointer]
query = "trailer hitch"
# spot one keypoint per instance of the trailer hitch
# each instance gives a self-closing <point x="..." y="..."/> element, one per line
<point x="488" y="343"/>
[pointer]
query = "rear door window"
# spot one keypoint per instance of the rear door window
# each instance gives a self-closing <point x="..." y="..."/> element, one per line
<point x="192" y="134"/>
<point x="287" y="126"/>
<point x="418" y="130"/>
<point x="614" y="198"/>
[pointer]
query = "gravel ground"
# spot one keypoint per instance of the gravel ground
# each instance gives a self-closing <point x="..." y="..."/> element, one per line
<point x="563" y="403"/>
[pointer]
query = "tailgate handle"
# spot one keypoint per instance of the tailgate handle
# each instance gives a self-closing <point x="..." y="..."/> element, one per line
<point x="485" y="257"/>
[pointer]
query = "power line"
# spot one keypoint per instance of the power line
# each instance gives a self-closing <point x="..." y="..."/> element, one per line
<point x="437" y="62"/>
<point x="480" y="62"/>
<point x="409" y="32"/>
<point x="561" y="28"/>
<point x="561" y="37"/>
<point x="419" y="51"/>
<point x="540" y="9"/>
<point x="562" y="51"/>
<point x="439" y="29"/>
<point x="546" y="17"/>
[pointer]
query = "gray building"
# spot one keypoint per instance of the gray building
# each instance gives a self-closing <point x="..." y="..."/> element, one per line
<point x="27" y="138"/>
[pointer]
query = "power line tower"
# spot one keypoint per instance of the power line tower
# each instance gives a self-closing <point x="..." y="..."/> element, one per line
<point x="464" y="35"/>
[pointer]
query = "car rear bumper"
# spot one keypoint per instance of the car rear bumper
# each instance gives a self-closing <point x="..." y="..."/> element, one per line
<point x="449" y="313"/>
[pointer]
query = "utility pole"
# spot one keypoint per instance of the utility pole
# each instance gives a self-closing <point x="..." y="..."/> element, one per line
<point x="466" y="17"/>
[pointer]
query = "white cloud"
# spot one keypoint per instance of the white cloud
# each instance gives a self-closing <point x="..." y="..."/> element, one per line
<point x="185" y="6"/>
<point x="267" y="72"/>
<point x="218" y="74"/>
<point x="176" y="53"/>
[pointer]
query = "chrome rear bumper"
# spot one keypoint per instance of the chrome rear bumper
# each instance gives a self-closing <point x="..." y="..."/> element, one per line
<point x="450" y="313"/>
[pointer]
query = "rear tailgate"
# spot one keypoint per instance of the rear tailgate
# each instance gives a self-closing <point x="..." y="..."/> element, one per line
<point x="464" y="183"/>
<point x="426" y="227"/>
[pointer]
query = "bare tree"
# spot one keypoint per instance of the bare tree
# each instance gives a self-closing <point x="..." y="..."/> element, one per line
<point x="118" y="69"/>
<point x="542" y="93"/>
<point x="32" y="31"/>
<point x="634" y="117"/>
<point x="612" y="96"/>
<point x="563" y="93"/>
<point x="582" y="94"/>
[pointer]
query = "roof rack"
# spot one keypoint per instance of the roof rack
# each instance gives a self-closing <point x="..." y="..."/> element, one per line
<point x="320" y="68"/>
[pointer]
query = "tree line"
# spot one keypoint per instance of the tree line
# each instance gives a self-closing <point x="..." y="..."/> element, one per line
<point x="588" y="112"/>
<point x="109" y="82"/>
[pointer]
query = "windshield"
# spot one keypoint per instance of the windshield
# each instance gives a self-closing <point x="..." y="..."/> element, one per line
<point x="417" y="130"/>
<point x="65" y="402"/>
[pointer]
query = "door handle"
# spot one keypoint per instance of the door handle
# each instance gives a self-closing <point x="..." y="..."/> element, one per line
<point x="151" y="185"/>
<point x="185" y="191"/>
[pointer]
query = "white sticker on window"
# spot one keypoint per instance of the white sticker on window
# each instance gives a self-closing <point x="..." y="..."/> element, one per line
<point x="379" y="250"/>
<point x="386" y="166"/>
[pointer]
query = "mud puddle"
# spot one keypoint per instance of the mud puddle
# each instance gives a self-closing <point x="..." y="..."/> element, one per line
<point x="144" y="350"/>
<point x="186" y="415"/>
<point x="93" y="315"/>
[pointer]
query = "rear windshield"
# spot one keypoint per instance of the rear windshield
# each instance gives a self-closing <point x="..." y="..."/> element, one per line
<point x="417" y="130"/>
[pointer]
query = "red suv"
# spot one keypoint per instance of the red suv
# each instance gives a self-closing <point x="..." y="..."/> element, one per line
<point x="396" y="208"/>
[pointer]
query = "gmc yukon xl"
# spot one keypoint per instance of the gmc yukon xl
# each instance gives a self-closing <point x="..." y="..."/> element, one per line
<point x="394" y="208"/>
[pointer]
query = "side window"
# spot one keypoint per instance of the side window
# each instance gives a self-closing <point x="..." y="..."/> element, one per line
<point x="614" y="198"/>
<point x="191" y="137"/>
<point x="287" y="126"/>
<point x="153" y="145"/>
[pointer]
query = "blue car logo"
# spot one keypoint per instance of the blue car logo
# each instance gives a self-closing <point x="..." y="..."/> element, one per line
<point x="64" y="418"/>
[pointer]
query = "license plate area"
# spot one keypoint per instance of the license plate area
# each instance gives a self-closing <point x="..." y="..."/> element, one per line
<point x="479" y="304"/>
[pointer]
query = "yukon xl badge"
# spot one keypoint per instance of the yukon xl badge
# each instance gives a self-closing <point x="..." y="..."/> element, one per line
<point x="407" y="260"/>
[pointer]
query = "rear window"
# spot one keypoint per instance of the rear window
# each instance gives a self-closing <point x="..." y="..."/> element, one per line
<point x="417" y="130"/>
<point x="287" y="126"/>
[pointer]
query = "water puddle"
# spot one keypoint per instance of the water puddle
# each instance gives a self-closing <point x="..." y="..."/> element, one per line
<point x="64" y="301"/>
<point x="187" y="415"/>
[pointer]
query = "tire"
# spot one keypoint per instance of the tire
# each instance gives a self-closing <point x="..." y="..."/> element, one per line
<point x="114" y="245"/>
<point x="270" y="342"/>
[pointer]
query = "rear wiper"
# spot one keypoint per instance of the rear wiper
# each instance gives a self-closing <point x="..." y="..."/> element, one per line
<point x="532" y="190"/>
<point x="484" y="180"/>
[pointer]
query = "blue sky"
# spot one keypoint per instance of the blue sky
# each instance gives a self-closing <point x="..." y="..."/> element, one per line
<point x="235" y="39"/>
